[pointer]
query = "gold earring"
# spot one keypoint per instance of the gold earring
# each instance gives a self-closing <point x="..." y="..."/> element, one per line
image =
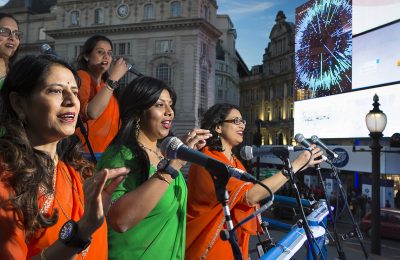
<point x="136" y="127"/>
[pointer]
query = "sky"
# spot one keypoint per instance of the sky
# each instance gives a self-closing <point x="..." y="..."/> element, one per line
<point x="253" y="21"/>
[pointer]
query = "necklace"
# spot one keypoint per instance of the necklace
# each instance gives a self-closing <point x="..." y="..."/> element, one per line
<point x="157" y="153"/>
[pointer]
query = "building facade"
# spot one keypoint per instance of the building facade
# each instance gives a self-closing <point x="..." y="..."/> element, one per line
<point x="174" y="41"/>
<point x="266" y="96"/>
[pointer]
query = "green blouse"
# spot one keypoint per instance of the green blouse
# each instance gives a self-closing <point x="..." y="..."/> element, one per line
<point x="160" y="235"/>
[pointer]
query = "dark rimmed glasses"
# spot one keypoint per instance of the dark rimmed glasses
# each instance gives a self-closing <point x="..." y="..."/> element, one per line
<point x="236" y="121"/>
<point x="5" y="32"/>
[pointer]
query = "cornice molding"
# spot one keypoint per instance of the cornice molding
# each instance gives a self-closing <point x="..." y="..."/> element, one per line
<point x="198" y="23"/>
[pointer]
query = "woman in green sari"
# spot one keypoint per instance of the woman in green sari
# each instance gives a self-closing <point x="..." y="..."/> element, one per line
<point x="147" y="219"/>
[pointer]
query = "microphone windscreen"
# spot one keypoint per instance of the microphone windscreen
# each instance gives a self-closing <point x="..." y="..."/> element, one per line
<point x="169" y="147"/>
<point x="246" y="153"/>
<point x="299" y="138"/>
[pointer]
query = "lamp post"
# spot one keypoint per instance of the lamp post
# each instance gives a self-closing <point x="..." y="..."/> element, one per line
<point x="376" y="123"/>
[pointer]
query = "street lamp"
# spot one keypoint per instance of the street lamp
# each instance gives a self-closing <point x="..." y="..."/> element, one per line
<point x="376" y="123"/>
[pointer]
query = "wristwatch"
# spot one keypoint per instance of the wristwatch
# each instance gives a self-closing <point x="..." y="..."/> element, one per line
<point x="69" y="236"/>
<point x="164" y="166"/>
<point x="112" y="83"/>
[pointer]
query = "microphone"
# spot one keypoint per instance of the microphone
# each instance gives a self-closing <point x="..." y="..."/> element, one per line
<point x="46" y="49"/>
<point x="173" y="148"/>
<point x="318" y="142"/>
<point x="249" y="152"/>
<point x="132" y="69"/>
<point x="303" y="141"/>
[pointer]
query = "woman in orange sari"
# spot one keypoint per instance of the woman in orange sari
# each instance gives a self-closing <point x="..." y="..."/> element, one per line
<point x="205" y="218"/>
<point x="45" y="210"/>
<point x="99" y="106"/>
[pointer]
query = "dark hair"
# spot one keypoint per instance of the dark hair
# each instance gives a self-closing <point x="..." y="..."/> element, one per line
<point x="212" y="118"/>
<point x="4" y="15"/>
<point x="30" y="168"/>
<point x="141" y="93"/>
<point x="87" y="48"/>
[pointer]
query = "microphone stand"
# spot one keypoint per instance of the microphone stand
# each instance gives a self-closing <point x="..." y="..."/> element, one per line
<point x="343" y="193"/>
<point x="284" y="156"/>
<point x="338" y="246"/>
<point x="220" y="178"/>
<point x="81" y="126"/>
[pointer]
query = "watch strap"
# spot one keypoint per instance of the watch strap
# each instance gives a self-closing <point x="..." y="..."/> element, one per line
<point x="167" y="168"/>
<point x="112" y="83"/>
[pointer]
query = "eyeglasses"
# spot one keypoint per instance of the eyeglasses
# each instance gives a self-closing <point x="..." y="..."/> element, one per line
<point x="236" y="121"/>
<point x="5" y="32"/>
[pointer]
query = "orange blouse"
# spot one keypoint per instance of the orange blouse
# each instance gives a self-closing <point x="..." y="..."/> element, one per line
<point x="205" y="218"/>
<point x="102" y="130"/>
<point x="68" y="199"/>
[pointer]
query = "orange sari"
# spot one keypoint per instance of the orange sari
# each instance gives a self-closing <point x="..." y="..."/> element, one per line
<point x="205" y="218"/>
<point x="68" y="200"/>
<point x="102" y="130"/>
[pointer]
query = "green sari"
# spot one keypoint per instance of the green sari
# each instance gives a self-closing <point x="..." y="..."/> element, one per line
<point x="160" y="235"/>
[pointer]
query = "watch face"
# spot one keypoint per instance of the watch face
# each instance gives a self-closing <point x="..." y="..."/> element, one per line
<point x="323" y="48"/>
<point x="66" y="231"/>
<point x="123" y="10"/>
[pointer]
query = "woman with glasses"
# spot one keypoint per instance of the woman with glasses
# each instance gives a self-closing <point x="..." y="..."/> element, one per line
<point x="99" y="106"/>
<point x="9" y="42"/>
<point x="205" y="218"/>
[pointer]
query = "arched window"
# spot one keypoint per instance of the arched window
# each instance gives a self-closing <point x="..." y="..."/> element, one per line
<point x="176" y="9"/>
<point x="74" y="18"/>
<point x="42" y="34"/>
<point x="148" y="11"/>
<point x="98" y="16"/>
<point x="164" y="72"/>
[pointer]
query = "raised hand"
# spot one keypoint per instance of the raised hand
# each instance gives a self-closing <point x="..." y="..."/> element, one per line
<point x="98" y="196"/>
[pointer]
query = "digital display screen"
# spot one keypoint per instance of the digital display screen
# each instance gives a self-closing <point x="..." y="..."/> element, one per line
<point x="339" y="91"/>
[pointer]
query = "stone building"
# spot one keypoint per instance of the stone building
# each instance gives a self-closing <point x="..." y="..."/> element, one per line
<point x="173" y="40"/>
<point x="266" y="96"/>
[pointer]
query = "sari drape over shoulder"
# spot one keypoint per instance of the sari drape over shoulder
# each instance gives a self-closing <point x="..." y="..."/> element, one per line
<point x="205" y="218"/>
<point x="68" y="199"/>
<point x="102" y="130"/>
<point x="161" y="234"/>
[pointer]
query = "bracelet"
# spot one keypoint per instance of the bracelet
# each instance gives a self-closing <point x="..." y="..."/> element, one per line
<point x="42" y="254"/>
<point x="109" y="88"/>
<point x="162" y="178"/>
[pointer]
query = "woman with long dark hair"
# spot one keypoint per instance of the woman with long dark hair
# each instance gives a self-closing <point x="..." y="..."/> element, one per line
<point x="10" y="37"/>
<point x="99" y="106"/>
<point x="45" y="210"/>
<point x="148" y="213"/>
<point x="205" y="217"/>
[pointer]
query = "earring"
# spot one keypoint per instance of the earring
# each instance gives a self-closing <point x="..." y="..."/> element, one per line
<point x="22" y="119"/>
<point x="136" y="128"/>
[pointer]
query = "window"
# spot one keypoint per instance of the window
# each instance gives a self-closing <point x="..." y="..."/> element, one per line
<point x="148" y="11"/>
<point x="206" y="13"/>
<point x="203" y="51"/>
<point x="74" y="18"/>
<point x="220" y="93"/>
<point x="164" y="46"/>
<point x="176" y="9"/>
<point x="42" y="34"/>
<point x="98" y="16"/>
<point x="164" y="73"/>
<point x="77" y="50"/>
<point x="123" y="48"/>
<point x="203" y="91"/>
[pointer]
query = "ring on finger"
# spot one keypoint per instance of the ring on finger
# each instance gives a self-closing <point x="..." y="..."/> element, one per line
<point x="189" y="133"/>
